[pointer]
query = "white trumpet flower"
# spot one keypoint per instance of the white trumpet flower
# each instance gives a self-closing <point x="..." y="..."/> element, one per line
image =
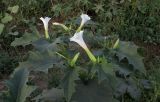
<point x="78" y="38"/>
<point x="45" y="23"/>
<point x="62" y="25"/>
<point x="84" y="18"/>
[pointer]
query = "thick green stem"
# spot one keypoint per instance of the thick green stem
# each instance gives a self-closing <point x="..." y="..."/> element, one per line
<point x="79" y="28"/>
<point x="46" y="34"/>
<point x="91" y="56"/>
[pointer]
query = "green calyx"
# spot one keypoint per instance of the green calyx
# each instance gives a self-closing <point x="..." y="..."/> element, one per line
<point x="74" y="60"/>
<point x="116" y="44"/>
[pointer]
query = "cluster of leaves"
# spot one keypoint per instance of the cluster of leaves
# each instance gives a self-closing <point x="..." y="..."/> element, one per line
<point x="128" y="18"/>
<point x="8" y="30"/>
<point x="114" y="75"/>
<point x="31" y="7"/>
<point x="6" y="17"/>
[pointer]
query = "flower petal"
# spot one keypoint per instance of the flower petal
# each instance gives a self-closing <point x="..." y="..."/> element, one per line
<point x="78" y="38"/>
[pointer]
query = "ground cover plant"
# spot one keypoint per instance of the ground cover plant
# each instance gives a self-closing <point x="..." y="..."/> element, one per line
<point x="101" y="56"/>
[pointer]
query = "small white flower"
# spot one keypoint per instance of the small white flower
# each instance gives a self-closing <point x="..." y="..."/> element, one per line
<point x="85" y="18"/>
<point x="78" y="38"/>
<point x="45" y="23"/>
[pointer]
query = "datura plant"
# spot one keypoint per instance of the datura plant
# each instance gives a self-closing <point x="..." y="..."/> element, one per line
<point x="100" y="73"/>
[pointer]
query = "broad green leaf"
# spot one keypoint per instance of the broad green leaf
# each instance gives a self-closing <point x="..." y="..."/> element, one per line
<point x="129" y="50"/>
<point x="1" y="28"/>
<point x="105" y="71"/>
<point x="40" y="61"/>
<point x="54" y="95"/>
<point x="108" y="67"/>
<point x="7" y="18"/>
<point x="13" y="9"/>
<point x="128" y="86"/>
<point x="93" y="92"/>
<point x="43" y="45"/>
<point x="123" y="71"/>
<point x="26" y="39"/>
<point x="18" y="88"/>
<point x="68" y="83"/>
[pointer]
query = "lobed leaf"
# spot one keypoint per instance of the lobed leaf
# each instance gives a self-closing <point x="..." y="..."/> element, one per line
<point x="18" y="88"/>
<point x="43" y="45"/>
<point x="129" y="50"/>
<point x="105" y="71"/>
<point x="93" y="92"/>
<point x="40" y="61"/>
<point x="128" y="86"/>
<point x="68" y="83"/>
<point x="54" y="95"/>
<point x="26" y="39"/>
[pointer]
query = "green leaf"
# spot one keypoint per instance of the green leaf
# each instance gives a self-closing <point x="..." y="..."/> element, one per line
<point x="18" y="88"/>
<point x="1" y="28"/>
<point x="54" y="95"/>
<point x="13" y="9"/>
<point x="129" y="50"/>
<point x="128" y="86"/>
<point x="69" y="83"/>
<point x="26" y="39"/>
<point x="105" y="71"/>
<point x="93" y="92"/>
<point x="7" y="18"/>
<point x="43" y="45"/>
<point x="123" y="71"/>
<point x="40" y="61"/>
